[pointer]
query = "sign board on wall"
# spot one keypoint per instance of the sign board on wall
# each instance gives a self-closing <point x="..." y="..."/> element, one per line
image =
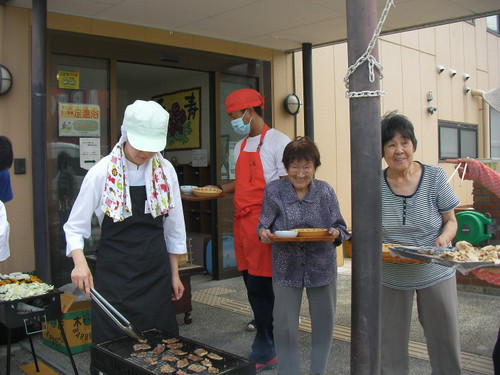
<point x="79" y="120"/>
<point x="89" y="152"/>
<point x="184" y="123"/>
<point x="68" y="80"/>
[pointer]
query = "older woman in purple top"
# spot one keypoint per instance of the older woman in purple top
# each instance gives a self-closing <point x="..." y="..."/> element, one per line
<point x="301" y="201"/>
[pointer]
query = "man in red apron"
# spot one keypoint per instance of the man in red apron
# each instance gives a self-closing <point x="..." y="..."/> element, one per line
<point x="258" y="161"/>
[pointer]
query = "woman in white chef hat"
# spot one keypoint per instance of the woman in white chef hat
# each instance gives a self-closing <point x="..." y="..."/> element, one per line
<point x="134" y="193"/>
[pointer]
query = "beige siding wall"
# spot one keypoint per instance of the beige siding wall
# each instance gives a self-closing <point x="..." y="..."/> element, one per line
<point x="410" y="63"/>
<point x="15" y="123"/>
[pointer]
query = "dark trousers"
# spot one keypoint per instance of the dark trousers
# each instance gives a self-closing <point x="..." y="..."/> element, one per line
<point x="496" y="355"/>
<point x="261" y="297"/>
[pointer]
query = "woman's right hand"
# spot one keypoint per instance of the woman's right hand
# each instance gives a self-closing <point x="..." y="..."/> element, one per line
<point x="81" y="275"/>
<point x="264" y="235"/>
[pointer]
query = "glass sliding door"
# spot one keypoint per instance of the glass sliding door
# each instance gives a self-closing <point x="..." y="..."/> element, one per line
<point x="77" y="137"/>
<point x="226" y="167"/>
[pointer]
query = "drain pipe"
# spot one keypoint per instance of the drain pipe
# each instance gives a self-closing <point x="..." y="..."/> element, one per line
<point x="486" y="128"/>
<point x="308" y="90"/>
<point x="39" y="138"/>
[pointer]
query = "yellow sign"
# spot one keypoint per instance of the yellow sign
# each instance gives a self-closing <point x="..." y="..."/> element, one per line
<point x="68" y="80"/>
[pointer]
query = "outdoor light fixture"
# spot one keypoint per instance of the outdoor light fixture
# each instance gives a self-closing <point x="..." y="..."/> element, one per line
<point x="292" y="104"/>
<point x="453" y="73"/>
<point x="5" y="80"/>
<point x="466" y="76"/>
<point x="440" y="69"/>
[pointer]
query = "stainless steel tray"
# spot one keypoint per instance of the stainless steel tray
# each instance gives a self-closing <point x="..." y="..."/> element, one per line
<point x="412" y="252"/>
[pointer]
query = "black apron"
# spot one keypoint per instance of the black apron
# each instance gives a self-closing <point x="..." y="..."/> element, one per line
<point x="133" y="273"/>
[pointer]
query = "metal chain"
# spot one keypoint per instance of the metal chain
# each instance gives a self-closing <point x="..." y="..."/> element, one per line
<point x="372" y="62"/>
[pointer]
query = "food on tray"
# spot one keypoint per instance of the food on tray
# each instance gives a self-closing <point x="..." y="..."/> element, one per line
<point x="196" y="367"/>
<point x="180" y="372"/>
<point x="201" y="352"/>
<point x="426" y="251"/>
<point x="468" y="253"/>
<point x="214" y="356"/>
<point x="206" y="192"/>
<point x="181" y="363"/>
<point x="141" y="346"/>
<point x="167" y="369"/>
<point x="13" y="291"/>
<point x="160" y="348"/>
<point x="213" y="370"/>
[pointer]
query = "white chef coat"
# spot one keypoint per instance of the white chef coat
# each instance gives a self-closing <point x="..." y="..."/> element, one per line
<point x="88" y="202"/>
<point x="4" y="233"/>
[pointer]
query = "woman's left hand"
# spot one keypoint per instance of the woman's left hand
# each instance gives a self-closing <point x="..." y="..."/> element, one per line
<point x="264" y="235"/>
<point x="334" y="232"/>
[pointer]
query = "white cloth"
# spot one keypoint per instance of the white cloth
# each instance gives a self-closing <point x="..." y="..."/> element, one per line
<point x="271" y="152"/>
<point x="88" y="202"/>
<point x="4" y="233"/>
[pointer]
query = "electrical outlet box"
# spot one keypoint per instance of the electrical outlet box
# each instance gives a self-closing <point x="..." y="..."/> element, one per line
<point x="19" y="166"/>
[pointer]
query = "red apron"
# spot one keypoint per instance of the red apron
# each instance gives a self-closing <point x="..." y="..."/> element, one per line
<point x="251" y="254"/>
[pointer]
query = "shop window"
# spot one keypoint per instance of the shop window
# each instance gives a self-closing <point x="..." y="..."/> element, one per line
<point x="457" y="140"/>
<point x="493" y="24"/>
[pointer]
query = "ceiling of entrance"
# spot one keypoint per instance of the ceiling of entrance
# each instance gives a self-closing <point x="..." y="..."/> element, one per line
<point x="278" y="24"/>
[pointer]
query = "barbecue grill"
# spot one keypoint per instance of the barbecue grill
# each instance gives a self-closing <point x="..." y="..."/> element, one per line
<point x="30" y="312"/>
<point x="114" y="357"/>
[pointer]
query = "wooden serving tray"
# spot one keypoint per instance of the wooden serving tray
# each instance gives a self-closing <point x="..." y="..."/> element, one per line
<point x="302" y="239"/>
<point x="389" y="258"/>
<point x="192" y="197"/>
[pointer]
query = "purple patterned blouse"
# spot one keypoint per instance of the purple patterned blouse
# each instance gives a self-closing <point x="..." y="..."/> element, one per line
<point x="302" y="264"/>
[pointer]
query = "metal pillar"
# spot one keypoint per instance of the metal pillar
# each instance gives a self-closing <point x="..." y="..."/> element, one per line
<point x="39" y="137"/>
<point x="366" y="195"/>
<point x="308" y="90"/>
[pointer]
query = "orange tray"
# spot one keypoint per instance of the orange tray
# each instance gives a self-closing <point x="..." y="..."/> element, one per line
<point x="192" y="197"/>
<point x="389" y="258"/>
<point x="301" y="239"/>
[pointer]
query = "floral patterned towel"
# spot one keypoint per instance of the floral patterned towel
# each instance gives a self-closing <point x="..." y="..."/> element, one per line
<point x="116" y="201"/>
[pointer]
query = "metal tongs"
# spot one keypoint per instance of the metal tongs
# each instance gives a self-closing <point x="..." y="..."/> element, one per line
<point x="116" y="316"/>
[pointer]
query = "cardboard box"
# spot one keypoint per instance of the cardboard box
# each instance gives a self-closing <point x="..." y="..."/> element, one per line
<point x="76" y="325"/>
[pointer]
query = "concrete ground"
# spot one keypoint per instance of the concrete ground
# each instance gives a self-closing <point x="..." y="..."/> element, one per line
<point x="221" y="313"/>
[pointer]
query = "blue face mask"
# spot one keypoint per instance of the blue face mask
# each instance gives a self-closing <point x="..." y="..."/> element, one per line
<point x="240" y="127"/>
